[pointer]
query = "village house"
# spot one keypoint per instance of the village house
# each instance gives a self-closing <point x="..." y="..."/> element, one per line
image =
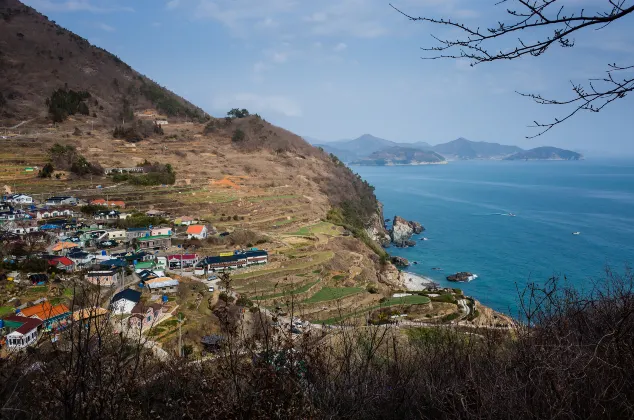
<point x="81" y="258"/>
<point x="135" y="233"/>
<point x="162" y="285"/>
<point x="124" y="301"/>
<point x="22" y="228"/>
<point x="107" y="215"/>
<point x="40" y="214"/>
<point x="51" y="316"/>
<point x="63" y="247"/>
<point x="184" y="221"/>
<point x="197" y="232"/>
<point x="62" y="201"/>
<point x="103" y="277"/>
<point x="155" y="242"/>
<point x="161" y="231"/>
<point x="182" y="260"/>
<point x="22" y="331"/>
<point x="90" y="316"/>
<point x="108" y="203"/>
<point x="19" y="199"/>
<point x="62" y="263"/>
<point x="144" y="316"/>
<point x="117" y="235"/>
<point x="231" y="261"/>
<point x="155" y="213"/>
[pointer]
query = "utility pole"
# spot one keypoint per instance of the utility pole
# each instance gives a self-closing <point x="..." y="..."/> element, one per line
<point x="180" y="336"/>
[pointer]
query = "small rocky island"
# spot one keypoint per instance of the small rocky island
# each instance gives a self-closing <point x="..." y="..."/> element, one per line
<point x="403" y="230"/>
<point x="462" y="277"/>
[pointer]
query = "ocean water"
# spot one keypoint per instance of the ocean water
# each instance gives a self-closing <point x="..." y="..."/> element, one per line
<point x="463" y="206"/>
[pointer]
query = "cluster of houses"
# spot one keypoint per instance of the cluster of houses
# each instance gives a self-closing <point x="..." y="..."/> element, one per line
<point x="231" y="261"/>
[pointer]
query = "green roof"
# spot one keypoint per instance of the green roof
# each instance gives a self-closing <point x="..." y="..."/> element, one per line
<point x="145" y="264"/>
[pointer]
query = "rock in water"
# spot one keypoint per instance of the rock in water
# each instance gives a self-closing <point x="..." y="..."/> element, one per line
<point x="416" y="227"/>
<point x="401" y="231"/>
<point x="400" y="262"/>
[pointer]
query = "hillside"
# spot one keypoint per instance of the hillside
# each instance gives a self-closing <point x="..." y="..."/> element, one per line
<point x="37" y="57"/>
<point x="546" y="153"/>
<point x="466" y="149"/>
<point x="363" y="146"/>
<point x="400" y="156"/>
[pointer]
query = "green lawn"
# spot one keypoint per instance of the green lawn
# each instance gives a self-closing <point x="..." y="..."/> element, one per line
<point x="321" y="227"/>
<point x="6" y="310"/>
<point x="284" y="222"/>
<point x="332" y="293"/>
<point x="297" y="291"/>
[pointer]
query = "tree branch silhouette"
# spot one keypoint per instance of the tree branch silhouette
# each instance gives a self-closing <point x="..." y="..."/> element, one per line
<point x="525" y="18"/>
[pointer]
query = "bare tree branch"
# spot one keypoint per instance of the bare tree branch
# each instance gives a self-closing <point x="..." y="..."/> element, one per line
<point x="528" y="16"/>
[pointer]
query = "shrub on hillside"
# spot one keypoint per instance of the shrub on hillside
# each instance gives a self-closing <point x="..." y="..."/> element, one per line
<point x="63" y="103"/>
<point x="46" y="171"/>
<point x="238" y="136"/>
<point x="67" y="158"/>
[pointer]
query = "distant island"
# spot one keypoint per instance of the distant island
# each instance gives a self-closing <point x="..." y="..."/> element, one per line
<point x="545" y="153"/>
<point x="401" y="156"/>
<point x="375" y="151"/>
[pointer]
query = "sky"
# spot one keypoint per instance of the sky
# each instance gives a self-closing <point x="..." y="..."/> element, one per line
<point x="336" y="69"/>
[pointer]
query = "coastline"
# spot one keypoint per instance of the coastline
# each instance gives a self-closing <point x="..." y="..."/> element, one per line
<point x="413" y="281"/>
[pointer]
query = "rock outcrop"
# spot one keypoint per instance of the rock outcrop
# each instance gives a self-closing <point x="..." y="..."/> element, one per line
<point x="376" y="228"/>
<point x="390" y="276"/>
<point x="463" y="276"/>
<point x="400" y="262"/>
<point x="402" y="231"/>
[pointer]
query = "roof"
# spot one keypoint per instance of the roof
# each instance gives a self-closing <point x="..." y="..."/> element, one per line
<point x="61" y="260"/>
<point x="64" y="245"/>
<point x="127" y="294"/>
<point x="138" y="229"/>
<point x="195" y="229"/>
<point x="147" y="274"/>
<point x="141" y="308"/>
<point x="45" y="311"/>
<point x="27" y="324"/>
<point x="178" y="257"/>
<point x="161" y="282"/>
<point x="114" y="262"/>
<point x="88" y="313"/>
<point x="101" y="273"/>
<point x="59" y="197"/>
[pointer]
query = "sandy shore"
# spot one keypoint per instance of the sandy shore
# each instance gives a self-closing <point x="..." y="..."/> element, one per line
<point x="414" y="281"/>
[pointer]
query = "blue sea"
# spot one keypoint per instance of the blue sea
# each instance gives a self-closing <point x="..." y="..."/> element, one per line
<point x="464" y="205"/>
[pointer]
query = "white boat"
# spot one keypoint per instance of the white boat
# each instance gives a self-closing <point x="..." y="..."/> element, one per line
<point x="576" y="233"/>
<point x="511" y="214"/>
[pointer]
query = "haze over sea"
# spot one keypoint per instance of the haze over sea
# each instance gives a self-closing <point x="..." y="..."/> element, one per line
<point x="463" y="205"/>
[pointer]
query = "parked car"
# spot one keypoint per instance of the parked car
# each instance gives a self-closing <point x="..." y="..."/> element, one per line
<point x="211" y="289"/>
<point x="107" y="244"/>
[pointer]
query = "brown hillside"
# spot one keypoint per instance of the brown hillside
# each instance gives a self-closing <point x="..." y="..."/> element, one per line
<point x="38" y="56"/>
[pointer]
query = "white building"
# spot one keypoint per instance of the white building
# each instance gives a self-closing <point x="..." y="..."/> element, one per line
<point x="24" y="331"/>
<point x="124" y="301"/>
<point x="19" y="199"/>
<point x="197" y="232"/>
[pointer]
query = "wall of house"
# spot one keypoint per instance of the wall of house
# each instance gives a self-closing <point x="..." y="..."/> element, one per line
<point x="102" y="280"/>
<point x="123" y="306"/>
<point x="15" y="340"/>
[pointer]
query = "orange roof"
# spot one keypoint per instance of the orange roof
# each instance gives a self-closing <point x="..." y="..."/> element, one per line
<point x="88" y="313"/>
<point x="44" y="311"/>
<point x="195" y="229"/>
<point x="64" y="245"/>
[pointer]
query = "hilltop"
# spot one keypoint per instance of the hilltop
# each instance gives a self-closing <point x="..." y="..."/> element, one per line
<point x="546" y="153"/>
<point x="38" y="57"/>
<point x="400" y="156"/>
<point x="466" y="149"/>
<point x="363" y="146"/>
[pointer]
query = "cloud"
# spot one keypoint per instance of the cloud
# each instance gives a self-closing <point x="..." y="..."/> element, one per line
<point x="77" y="6"/>
<point x="260" y="104"/>
<point x="340" y="47"/>
<point x="172" y="4"/>
<point x="105" y="27"/>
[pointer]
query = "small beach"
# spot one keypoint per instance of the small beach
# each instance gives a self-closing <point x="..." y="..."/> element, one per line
<point x="415" y="281"/>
